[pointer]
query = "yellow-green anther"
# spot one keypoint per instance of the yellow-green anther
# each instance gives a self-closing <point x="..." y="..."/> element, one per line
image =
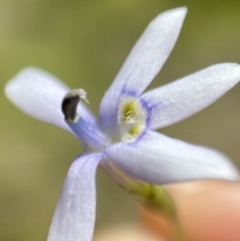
<point x="131" y="118"/>
<point x="128" y="110"/>
<point x="70" y="102"/>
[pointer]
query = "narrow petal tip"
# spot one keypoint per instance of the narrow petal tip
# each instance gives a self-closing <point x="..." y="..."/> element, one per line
<point x="38" y="94"/>
<point x="234" y="67"/>
<point x="13" y="88"/>
<point x="169" y="15"/>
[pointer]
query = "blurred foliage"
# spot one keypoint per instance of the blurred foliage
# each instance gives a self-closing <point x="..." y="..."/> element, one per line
<point x="84" y="43"/>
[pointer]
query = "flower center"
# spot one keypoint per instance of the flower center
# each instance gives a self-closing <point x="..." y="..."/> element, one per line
<point x="131" y="118"/>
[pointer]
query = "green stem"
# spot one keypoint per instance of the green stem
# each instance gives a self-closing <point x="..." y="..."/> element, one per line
<point x="157" y="198"/>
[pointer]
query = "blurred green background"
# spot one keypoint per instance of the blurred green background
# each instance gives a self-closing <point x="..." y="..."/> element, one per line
<point x="85" y="43"/>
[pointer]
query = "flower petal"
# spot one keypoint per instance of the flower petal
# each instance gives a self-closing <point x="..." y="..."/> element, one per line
<point x="40" y="94"/>
<point x="176" y="101"/>
<point x="75" y="213"/>
<point x="158" y="159"/>
<point x="144" y="61"/>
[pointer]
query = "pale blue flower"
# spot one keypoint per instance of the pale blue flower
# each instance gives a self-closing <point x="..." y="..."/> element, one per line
<point x="123" y="141"/>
